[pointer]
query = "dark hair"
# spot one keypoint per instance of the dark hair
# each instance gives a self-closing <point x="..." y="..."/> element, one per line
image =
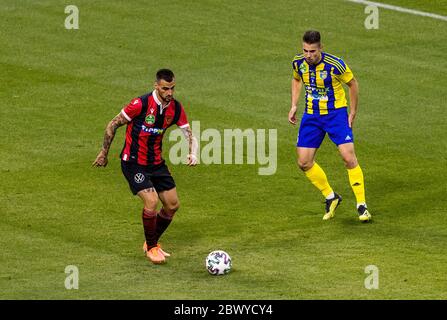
<point x="311" y="36"/>
<point x="164" y="74"/>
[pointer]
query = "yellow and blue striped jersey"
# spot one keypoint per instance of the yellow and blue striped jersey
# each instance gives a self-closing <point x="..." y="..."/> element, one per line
<point x="323" y="82"/>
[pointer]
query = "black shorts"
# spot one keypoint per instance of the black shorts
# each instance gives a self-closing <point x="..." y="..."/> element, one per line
<point x="143" y="177"/>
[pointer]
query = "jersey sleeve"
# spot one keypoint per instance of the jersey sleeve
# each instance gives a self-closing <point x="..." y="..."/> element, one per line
<point x="343" y="72"/>
<point x="182" y="121"/>
<point x="295" y="71"/>
<point x="132" y="109"/>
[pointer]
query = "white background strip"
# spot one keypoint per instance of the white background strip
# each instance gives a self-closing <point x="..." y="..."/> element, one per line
<point x="400" y="9"/>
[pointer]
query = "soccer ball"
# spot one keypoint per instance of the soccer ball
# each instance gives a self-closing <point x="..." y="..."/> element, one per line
<point x="218" y="262"/>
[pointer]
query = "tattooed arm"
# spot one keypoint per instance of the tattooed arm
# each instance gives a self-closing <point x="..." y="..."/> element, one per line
<point x="118" y="121"/>
<point x="193" y="146"/>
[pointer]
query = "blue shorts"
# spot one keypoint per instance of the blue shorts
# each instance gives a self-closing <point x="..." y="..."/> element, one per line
<point x="313" y="129"/>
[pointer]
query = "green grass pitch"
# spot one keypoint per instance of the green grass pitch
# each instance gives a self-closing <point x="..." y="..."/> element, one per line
<point x="232" y="60"/>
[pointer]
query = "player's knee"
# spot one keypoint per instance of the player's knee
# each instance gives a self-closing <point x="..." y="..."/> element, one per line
<point x="150" y="198"/>
<point x="304" y="164"/>
<point x="150" y="203"/>
<point x="173" y="207"/>
<point x="350" y="162"/>
<point x="169" y="210"/>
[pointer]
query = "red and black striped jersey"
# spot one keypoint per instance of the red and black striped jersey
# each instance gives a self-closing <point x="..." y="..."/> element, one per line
<point x="148" y="121"/>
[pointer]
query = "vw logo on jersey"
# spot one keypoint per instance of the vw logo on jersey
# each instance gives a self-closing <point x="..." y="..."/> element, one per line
<point x="139" y="178"/>
<point x="323" y="74"/>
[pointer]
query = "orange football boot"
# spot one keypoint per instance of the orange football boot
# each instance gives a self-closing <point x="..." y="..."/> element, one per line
<point x="164" y="253"/>
<point x="155" y="256"/>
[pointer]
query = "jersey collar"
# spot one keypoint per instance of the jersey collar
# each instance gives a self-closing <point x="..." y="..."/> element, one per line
<point x="158" y="102"/>
<point x="155" y="96"/>
<point x="314" y="66"/>
<point x="321" y="60"/>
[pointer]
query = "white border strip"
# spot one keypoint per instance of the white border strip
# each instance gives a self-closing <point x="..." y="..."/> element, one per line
<point x="400" y="9"/>
<point x="125" y="115"/>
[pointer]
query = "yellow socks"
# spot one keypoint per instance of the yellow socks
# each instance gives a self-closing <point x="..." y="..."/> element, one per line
<point x="357" y="184"/>
<point x="318" y="178"/>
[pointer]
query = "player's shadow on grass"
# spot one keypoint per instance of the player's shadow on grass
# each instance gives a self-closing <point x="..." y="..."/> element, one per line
<point x="353" y="221"/>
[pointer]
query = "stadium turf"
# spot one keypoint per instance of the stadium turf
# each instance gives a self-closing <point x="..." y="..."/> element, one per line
<point x="232" y="60"/>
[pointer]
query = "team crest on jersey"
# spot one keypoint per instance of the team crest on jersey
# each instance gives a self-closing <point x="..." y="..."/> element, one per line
<point x="150" y="119"/>
<point x="323" y="74"/>
<point x="303" y="67"/>
<point x="168" y="120"/>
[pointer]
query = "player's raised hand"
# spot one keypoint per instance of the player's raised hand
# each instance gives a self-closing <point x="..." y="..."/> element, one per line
<point x="101" y="160"/>
<point x="192" y="160"/>
<point x="292" y="115"/>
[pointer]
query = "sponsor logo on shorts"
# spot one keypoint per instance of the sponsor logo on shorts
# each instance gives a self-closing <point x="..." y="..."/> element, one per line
<point x="139" y="178"/>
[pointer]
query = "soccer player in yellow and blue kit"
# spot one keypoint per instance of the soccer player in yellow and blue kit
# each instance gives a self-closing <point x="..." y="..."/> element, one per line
<point x="326" y="111"/>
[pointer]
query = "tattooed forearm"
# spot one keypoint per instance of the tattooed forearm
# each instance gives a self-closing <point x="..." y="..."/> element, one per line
<point x="189" y="139"/>
<point x="111" y="128"/>
<point x="193" y="146"/>
<point x="192" y="141"/>
<point x="101" y="158"/>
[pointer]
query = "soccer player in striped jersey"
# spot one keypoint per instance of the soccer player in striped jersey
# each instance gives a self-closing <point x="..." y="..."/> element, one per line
<point x="147" y="118"/>
<point x="323" y="76"/>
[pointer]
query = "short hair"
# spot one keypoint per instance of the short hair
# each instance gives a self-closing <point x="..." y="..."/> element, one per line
<point x="311" y="36"/>
<point x="164" y="74"/>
